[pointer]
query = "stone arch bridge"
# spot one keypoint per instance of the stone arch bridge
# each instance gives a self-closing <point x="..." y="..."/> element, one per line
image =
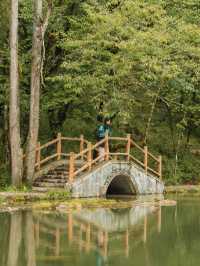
<point x="124" y="168"/>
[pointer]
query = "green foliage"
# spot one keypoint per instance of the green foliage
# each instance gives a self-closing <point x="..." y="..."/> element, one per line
<point x="2" y="200"/>
<point x="108" y="56"/>
<point x="14" y="189"/>
<point x="57" y="195"/>
<point x="4" y="177"/>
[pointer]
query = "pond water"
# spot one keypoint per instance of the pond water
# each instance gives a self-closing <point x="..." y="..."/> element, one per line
<point x="141" y="235"/>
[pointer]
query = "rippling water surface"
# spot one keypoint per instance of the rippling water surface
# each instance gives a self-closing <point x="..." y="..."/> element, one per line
<point x="141" y="235"/>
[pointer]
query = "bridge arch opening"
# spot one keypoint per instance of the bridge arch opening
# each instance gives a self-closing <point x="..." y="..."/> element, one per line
<point x="121" y="185"/>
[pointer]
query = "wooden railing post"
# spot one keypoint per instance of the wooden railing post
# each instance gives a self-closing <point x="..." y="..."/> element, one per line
<point x="71" y="167"/>
<point x="70" y="227"/>
<point x="159" y="218"/>
<point x="59" y="146"/>
<point x="57" y="236"/>
<point x="145" y="229"/>
<point x="88" y="237"/>
<point x="105" y="244"/>
<point x="89" y="156"/>
<point x="160" y="166"/>
<point x="127" y="242"/>
<point x="146" y="159"/>
<point x="81" y="145"/>
<point x="128" y="146"/>
<point x="106" y="147"/>
<point x="38" y="156"/>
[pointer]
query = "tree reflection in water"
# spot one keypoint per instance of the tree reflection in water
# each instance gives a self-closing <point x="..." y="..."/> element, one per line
<point x="14" y="238"/>
<point x="38" y="238"/>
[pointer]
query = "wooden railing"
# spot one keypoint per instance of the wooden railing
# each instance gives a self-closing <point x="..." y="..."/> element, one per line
<point x="115" y="148"/>
<point x="90" y="161"/>
<point x="127" y="154"/>
<point x="58" y="152"/>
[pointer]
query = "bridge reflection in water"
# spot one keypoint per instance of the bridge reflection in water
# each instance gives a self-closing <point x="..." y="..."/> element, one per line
<point x="95" y="230"/>
<point x="78" y="237"/>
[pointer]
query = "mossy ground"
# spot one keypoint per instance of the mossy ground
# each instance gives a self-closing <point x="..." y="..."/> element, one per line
<point x="53" y="200"/>
<point x="62" y="200"/>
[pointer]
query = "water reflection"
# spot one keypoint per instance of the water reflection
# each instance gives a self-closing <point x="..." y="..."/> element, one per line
<point x="15" y="238"/>
<point x="19" y="229"/>
<point x="38" y="238"/>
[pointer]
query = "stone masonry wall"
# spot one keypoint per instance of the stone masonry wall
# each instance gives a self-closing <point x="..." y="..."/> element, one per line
<point x="95" y="183"/>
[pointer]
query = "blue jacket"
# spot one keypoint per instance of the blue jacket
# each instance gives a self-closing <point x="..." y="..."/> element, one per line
<point x="102" y="130"/>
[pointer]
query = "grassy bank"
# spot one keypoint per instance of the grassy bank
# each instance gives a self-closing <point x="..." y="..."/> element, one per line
<point x="12" y="199"/>
<point x="183" y="189"/>
<point x="52" y="200"/>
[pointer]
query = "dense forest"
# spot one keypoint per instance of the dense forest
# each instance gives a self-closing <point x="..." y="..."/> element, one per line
<point x="137" y="58"/>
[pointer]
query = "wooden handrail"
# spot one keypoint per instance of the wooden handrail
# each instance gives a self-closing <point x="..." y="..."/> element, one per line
<point x="153" y="157"/>
<point x="137" y="161"/>
<point x="71" y="167"/>
<point x="108" y="154"/>
<point x="59" y="153"/>
<point x="99" y="143"/>
<point x="89" y="151"/>
<point x="117" y="138"/>
<point x="48" y="144"/>
<point x="65" y="154"/>
<point x="137" y="146"/>
<point x="118" y="153"/>
<point x="128" y="146"/>
<point x="146" y="159"/>
<point x="98" y="158"/>
<point x="84" y="167"/>
<point x="89" y="156"/>
<point x="152" y="171"/>
<point x="81" y="153"/>
<point x="70" y="138"/>
<point x="46" y="159"/>
<point x="59" y="146"/>
<point x="85" y="154"/>
<point x="81" y="144"/>
<point x="106" y="147"/>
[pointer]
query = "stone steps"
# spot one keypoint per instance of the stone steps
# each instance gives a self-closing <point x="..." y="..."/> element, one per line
<point x="51" y="176"/>
<point x="46" y="189"/>
<point x="53" y="179"/>
<point x="48" y="184"/>
<point x="57" y="172"/>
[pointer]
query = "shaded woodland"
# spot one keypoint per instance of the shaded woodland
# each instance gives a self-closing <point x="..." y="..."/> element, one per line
<point x="77" y="59"/>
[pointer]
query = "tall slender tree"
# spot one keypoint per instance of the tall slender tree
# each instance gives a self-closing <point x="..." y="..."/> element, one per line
<point x="35" y="89"/>
<point x="39" y="29"/>
<point x="14" y="113"/>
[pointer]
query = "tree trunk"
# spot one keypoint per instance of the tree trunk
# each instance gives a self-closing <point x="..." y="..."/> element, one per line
<point x="146" y="135"/>
<point x="14" y="114"/>
<point x="35" y="90"/>
<point x="30" y="240"/>
<point x="6" y="135"/>
<point x="15" y="238"/>
<point x="170" y="121"/>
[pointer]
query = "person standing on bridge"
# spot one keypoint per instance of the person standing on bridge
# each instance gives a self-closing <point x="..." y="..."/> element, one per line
<point x="103" y="129"/>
